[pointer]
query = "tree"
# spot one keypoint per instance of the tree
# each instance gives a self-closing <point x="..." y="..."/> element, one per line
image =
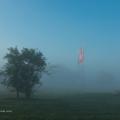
<point x="23" y="69"/>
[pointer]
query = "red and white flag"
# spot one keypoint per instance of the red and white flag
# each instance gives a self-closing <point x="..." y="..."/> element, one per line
<point x="81" y="56"/>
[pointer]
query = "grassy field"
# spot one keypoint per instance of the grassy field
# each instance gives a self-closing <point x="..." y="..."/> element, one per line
<point x="72" y="107"/>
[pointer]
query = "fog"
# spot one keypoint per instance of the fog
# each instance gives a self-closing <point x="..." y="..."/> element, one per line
<point x="84" y="79"/>
<point x="64" y="80"/>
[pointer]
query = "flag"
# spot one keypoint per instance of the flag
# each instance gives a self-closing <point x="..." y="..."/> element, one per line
<point x="81" y="56"/>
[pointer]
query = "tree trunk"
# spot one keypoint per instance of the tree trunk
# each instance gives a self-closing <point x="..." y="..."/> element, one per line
<point x="28" y="95"/>
<point x="17" y="94"/>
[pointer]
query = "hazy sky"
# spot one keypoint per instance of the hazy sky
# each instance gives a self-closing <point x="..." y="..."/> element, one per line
<point x="60" y="27"/>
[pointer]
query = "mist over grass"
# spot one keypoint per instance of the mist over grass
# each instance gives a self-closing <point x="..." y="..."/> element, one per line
<point x="66" y="81"/>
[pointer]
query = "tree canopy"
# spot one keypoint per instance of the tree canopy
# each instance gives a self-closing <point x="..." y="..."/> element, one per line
<point x="23" y="69"/>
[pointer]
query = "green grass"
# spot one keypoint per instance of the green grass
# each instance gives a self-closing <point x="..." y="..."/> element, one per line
<point x="74" y="107"/>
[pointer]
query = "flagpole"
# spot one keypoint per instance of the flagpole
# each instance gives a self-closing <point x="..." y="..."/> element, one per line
<point x="81" y="62"/>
